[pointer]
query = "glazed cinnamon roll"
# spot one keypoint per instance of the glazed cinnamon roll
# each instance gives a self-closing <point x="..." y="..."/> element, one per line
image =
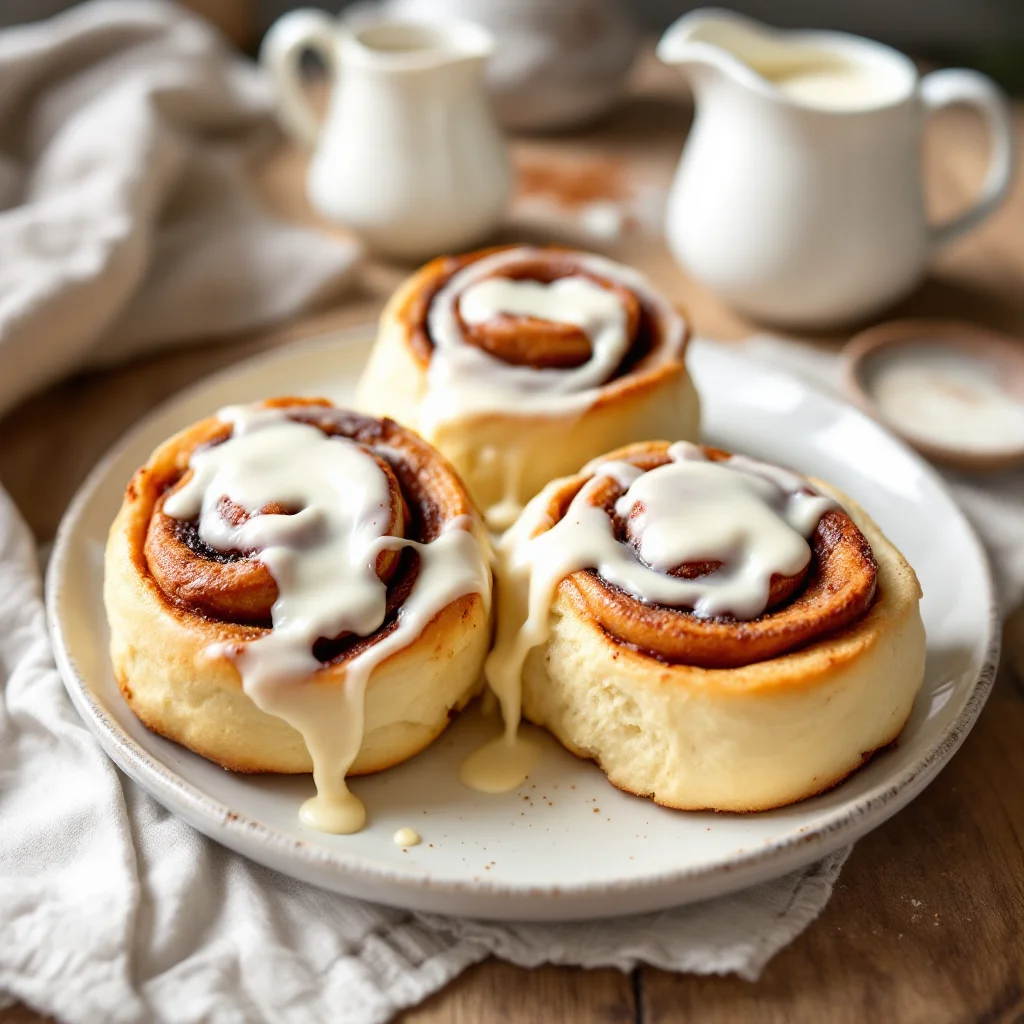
<point x="291" y="588"/>
<point x="715" y="632"/>
<point x="519" y="364"/>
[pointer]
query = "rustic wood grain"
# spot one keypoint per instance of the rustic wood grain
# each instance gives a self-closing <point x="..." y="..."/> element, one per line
<point x="22" y="1015"/>
<point x="926" y="925"/>
<point x="927" y="922"/>
<point x="499" y="992"/>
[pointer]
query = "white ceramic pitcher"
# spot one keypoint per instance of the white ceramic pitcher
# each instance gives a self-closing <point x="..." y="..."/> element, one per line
<point x="409" y="154"/>
<point x="799" y="196"/>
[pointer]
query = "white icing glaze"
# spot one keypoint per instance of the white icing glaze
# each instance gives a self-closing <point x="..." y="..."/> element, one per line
<point x="578" y="301"/>
<point x="750" y="516"/>
<point x="753" y="518"/>
<point x="463" y="379"/>
<point x="407" y="837"/>
<point x="323" y="559"/>
<point x="342" y="513"/>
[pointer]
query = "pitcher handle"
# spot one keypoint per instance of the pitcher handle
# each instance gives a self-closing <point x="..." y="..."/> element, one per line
<point x="304" y="29"/>
<point x="959" y="85"/>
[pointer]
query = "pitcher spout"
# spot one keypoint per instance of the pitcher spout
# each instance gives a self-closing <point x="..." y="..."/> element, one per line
<point x="800" y="70"/>
<point x="717" y="39"/>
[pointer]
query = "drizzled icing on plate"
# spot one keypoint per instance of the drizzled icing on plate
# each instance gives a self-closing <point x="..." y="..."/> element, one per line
<point x="753" y="518"/>
<point x="323" y="558"/>
<point x="407" y="837"/>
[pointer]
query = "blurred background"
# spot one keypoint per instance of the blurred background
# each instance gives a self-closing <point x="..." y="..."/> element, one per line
<point x="986" y="34"/>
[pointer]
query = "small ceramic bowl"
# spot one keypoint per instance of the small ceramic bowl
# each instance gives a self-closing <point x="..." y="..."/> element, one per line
<point x="952" y="390"/>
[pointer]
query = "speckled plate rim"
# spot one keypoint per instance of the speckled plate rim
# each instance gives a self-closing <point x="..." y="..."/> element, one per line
<point x="353" y="875"/>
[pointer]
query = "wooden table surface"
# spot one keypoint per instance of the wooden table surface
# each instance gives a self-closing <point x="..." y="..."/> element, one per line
<point x="927" y="921"/>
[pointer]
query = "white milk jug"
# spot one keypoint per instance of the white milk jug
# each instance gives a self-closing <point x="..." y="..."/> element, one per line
<point x="799" y="196"/>
<point x="409" y="154"/>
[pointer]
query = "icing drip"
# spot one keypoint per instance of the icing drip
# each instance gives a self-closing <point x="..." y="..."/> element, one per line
<point x="463" y="379"/>
<point x="500" y="765"/>
<point x="752" y="518"/>
<point x="512" y="461"/>
<point x="407" y="837"/>
<point x="323" y="558"/>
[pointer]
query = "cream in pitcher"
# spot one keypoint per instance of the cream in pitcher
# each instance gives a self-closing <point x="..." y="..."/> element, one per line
<point x="409" y="153"/>
<point x="799" y="195"/>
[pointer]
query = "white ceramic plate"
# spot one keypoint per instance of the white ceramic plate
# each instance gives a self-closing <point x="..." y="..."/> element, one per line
<point x="567" y="845"/>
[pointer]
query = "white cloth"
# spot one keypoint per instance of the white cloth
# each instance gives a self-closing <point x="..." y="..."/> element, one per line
<point x="125" y="220"/>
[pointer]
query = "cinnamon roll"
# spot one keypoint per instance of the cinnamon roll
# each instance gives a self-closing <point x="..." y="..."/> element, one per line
<point x="521" y="363"/>
<point x="291" y="588"/>
<point x="715" y="632"/>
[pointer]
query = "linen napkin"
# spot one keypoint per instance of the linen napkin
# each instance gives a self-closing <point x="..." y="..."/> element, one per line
<point x="125" y="218"/>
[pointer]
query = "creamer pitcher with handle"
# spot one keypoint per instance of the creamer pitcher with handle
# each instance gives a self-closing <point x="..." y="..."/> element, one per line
<point x="799" y="197"/>
<point x="409" y="154"/>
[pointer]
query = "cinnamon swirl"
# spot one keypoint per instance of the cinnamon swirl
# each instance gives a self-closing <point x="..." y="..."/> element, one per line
<point x="521" y="363"/>
<point x="717" y="633"/>
<point x="291" y="588"/>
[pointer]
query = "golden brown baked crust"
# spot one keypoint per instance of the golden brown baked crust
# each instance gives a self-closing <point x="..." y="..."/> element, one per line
<point x="169" y="599"/>
<point x="728" y="715"/>
<point x="835" y="590"/>
<point x="508" y="458"/>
